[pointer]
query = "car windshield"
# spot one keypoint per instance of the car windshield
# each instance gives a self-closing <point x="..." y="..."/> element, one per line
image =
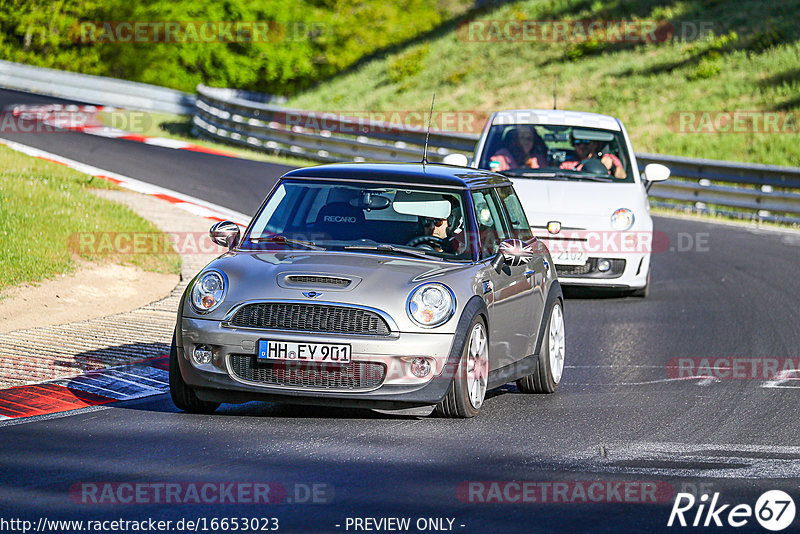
<point x="359" y="217"/>
<point x="557" y="152"/>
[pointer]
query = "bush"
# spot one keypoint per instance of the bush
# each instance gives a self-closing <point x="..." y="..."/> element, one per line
<point x="707" y="68"/>
<point x="310" y="40"/>
<point x="590" y="47"/>
<point x="406" y="65"/>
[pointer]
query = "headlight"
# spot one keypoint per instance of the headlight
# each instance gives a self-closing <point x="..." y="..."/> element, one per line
<point x="208" y="291"/>
<point x="431" y="304"/>
<point x="622" y="219"/>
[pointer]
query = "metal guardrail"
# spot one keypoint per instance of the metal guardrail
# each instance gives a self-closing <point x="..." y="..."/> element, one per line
<point x="765" y="192"/>
<point x="227" y="116"/>
<point x="97" y="90"/>
<point x="255" y="120"/>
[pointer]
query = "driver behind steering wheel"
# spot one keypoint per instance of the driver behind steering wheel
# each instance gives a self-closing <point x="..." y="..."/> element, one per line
<point x="446" y="234"/>
<point x="587" y="149"/>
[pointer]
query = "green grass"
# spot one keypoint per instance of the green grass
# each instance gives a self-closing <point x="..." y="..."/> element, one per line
<point x="179" y="127"/>
<point x="750" y="62"/>
<point x="43" y="206"/>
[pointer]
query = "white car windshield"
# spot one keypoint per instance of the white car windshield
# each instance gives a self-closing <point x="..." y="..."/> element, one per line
<point x="557" y="152"/>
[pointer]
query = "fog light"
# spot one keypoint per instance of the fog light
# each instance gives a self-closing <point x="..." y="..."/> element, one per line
<point x="420" y="367"/>
<point x="603" y="265"/>
<point x="202" y="354"/>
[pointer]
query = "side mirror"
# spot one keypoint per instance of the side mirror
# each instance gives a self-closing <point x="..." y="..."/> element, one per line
<point x="513" y="252"/>
<point x="225" y="234"/>
<point x="459" y="160"/>
<point x="656" y="172"/>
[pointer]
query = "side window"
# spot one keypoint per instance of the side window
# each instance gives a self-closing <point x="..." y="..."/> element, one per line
<point x="520" y="228"/>
<point x="491" y="223"/>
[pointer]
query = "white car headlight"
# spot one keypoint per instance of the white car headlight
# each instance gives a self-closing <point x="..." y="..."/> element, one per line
<point x="622" y="219"/>
<point x="431" y="304"/>
<point x="208" y="291"/>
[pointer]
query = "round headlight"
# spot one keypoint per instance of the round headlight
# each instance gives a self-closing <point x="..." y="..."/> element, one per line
<point x="208" y="291"/>
<point x="622" y="219"/>
<point x="431" y="304"/>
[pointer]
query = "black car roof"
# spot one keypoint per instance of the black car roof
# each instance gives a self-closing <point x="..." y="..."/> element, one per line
<point x="431" y="174"/>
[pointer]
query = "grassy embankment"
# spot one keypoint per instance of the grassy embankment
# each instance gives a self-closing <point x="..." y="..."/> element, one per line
<point x="43" y="206"/>
<point x="749" y="63"/>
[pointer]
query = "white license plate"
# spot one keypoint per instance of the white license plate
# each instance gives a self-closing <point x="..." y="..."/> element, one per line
<point x="308" y="352"/>
<point x="569" y="258"/>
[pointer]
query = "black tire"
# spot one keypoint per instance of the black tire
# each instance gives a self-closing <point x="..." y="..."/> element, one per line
<point x="643" y="292"/>
<point x="541" y="380"/>
<point x="457" y="404"/>
<point x="182" y="395"/>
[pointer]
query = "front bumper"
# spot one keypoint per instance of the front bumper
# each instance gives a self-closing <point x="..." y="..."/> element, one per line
<point x="217" y="381"/>
<point x="632" y="276"/>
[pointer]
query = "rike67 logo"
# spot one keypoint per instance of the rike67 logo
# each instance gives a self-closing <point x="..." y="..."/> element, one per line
<point x="774" y="510"/>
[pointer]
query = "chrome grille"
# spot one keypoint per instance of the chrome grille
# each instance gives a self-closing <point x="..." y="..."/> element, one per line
<point x="573" y="270"/>
<point x="589" y="269"/>
<point x="311" y="280"/>
<point x="310" y="317"/>
<point x="351" y="376"/>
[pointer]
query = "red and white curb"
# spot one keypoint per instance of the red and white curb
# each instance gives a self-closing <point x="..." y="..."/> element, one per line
<point x="114" y="384"/>
<point x="113" y="133"/>
<point x="185" y="202"/>
<point x="84" y="119"/>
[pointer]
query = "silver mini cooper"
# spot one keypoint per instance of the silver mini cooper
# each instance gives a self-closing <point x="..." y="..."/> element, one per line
<point x="378" y="285"/>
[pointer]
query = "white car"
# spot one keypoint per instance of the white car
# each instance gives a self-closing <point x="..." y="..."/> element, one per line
<point x="577" y="178"/>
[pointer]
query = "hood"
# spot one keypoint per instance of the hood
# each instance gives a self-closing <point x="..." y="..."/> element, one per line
<point x="578" y="204"/>
<point x="377" y="281"/>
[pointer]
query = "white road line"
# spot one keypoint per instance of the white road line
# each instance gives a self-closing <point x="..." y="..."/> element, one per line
<point x="782" y="378"/>
<point x="168" y="143"/>
<point x="709" y="460"/>
<point x="617" y="366"/>
<point x="703" y="381"/>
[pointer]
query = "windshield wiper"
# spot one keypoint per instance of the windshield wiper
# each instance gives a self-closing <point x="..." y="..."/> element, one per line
<point x="534" y="173"/>
<point x="593" y="177"/>
<point x="545" y="175"/>
<point x="282" y="239"/>
<point x="385" y="247"/>
<point x="559" y="175"/>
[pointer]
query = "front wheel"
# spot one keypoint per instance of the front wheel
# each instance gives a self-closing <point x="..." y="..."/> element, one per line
<point x="468" y="390"/>
<point x="550" y="364"/>
<point x="182" y="395"/>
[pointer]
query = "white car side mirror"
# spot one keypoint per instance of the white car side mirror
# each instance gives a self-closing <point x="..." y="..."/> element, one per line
<point x="656" y="172"/>
<point x="459" y="160"/>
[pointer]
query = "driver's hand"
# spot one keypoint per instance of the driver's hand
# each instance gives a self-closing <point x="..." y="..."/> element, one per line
<point x="498" y="164"/>
<point x="608" y="161"/>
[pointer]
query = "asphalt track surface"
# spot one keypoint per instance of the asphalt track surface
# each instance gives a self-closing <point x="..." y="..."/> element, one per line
<point x="621" y="415"/>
